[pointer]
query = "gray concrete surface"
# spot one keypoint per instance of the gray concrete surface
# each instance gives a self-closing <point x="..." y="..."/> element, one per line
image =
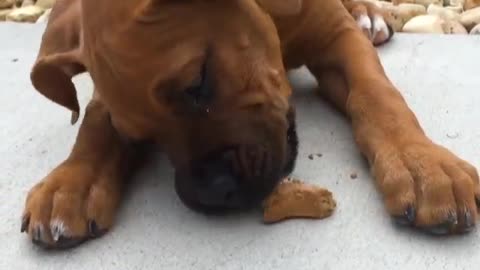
<point x="438" y="76"/>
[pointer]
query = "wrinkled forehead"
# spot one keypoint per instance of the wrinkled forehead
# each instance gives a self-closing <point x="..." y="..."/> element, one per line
<point x="212" y="19"/>
<point x="176" y="35"/>
<point x="226" y="23"/>
<point x="215" y="13"/>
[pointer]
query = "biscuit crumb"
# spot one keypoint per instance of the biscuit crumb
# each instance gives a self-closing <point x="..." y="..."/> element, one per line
<point x="295" y="199"/>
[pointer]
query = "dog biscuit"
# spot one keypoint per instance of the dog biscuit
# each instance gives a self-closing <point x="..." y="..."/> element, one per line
<point x="293" y="198"/>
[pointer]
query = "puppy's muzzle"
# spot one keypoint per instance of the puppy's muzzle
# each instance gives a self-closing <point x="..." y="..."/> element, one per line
<point x="229" y="179"/>
<point x="239" y="175"/>
<point x="217" y="184"/>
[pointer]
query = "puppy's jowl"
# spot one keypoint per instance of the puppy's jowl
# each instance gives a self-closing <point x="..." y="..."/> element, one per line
<point x="212" y="91"/>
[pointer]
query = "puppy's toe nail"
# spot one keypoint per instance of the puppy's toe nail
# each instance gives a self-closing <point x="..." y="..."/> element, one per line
<point x="469" y="222"/>
<point x="401" y="220"/>
<point x="67" y="242"/>
<point x="452" y="219"/>
<point x="445" y="227"/>
<point x="25" y="223"/>
<point x="56" y="233"/>
<point x="37" y="234"/>
<point x="94" y="230"/>
<point x="391" y="32"/>
<point x="407" y="218"/>
<point x="410" y="214"/>
<point x="439" y="229"/>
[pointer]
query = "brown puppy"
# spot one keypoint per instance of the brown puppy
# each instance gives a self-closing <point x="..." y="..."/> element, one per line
<point x="206" y="80"/>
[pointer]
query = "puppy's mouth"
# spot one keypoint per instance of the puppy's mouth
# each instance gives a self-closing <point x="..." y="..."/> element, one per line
<point x="292" y="143"/>
<point x="236" y="178"/>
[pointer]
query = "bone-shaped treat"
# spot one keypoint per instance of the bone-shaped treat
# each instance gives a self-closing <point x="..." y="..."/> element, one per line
<point x="293" y="198"/>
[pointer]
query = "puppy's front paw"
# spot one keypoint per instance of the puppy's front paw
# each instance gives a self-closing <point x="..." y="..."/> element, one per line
<point x="372" y="21"/>
<point x="426" y="186"/>
<point x="72" y="204"/>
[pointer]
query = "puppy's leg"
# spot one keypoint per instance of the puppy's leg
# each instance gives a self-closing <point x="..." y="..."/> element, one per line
<point x="79" y="198"/>
<point x="371" y="19"/>
<point x="423" y="183"/>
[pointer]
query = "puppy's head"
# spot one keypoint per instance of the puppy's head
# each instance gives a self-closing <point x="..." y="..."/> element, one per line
<point x="205" y="79"/>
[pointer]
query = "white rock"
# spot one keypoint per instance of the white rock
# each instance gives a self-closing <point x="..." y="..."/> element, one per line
<point x="46" y="4"/>
<point x="378" y="3"/>
<point x="425" y="24"/>
<point x="398" y="2"/>
<point x="411" y="9"/>
<point x="400" y="14"/>
<point x="457" y="3"/>
<point x="457" y="8"/>
<point x="454" y="27"/>
<point x="442" y="12"/>
<point x="6" y="3"/>
<point x="424" y="3"/>
<point x="470" y="18"/>
<point x="370" y="1"/>
<point x="27" y="3"/>
<point x="4" y="13"/>
<point x="25" y="14"/>
<point x="382" y="4"/>
<point x="475" y="30"/>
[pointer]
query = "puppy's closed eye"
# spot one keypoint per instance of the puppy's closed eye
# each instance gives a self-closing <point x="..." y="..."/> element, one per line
<point x="186" y="96"/>
<point x="200" y="93"/>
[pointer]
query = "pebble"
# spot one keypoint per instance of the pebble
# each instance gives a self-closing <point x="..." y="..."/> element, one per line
<point x="25" y="14"/>
<point x="457" y="8"/>
<point x="25" y="11"/>
<point x="45" y="4"/>
<point x="424" y="3"/>
<point x="445" y="13"/>
<point x="454" y="27"/>
<point x="27" y="3"/>
<point x="4" y="13"/>
<point x="470" y="18"/>
<point x="475" y="30"/>
<point x="7" y="3"/>
<point x="402" y="13"/>
<point x="454" y="3"/>
<point x="424" y="24"/>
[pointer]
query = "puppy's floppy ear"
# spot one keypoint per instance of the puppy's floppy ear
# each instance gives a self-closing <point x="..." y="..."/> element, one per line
<point x="281" y="7"/>
<point x="59" y="59"/>
<point x="51" y="76"/>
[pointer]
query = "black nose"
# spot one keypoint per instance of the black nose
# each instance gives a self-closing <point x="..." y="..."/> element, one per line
<point x="221" y="190"/>
<point x="216" y="184"/>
